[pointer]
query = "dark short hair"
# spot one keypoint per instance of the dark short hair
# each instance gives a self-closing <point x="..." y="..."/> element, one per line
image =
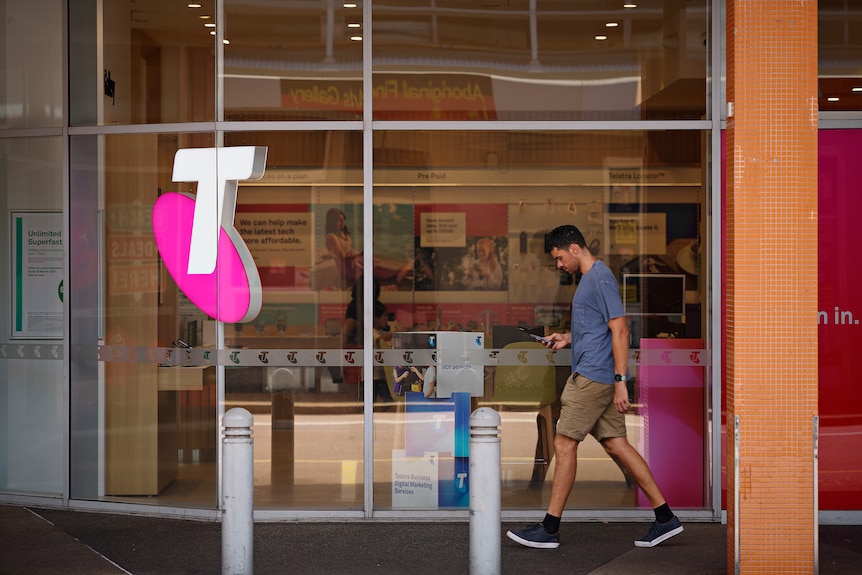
<point x="379" y="308"/>
<point x="358" y="285"/>
<point x="562" y="237"/>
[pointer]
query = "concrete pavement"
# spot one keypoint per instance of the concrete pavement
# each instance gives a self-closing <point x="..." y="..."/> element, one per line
<point x="58" y="541"/>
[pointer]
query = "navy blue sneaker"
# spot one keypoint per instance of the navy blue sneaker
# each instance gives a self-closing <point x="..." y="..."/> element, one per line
<point x="659" y="532"/>
<point x="536" y="537"/>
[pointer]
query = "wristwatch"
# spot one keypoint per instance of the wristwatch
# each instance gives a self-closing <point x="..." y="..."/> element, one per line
<point x="619" y="377"/>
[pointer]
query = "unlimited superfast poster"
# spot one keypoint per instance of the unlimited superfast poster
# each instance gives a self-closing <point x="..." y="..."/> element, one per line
<point x="37" y="274"/>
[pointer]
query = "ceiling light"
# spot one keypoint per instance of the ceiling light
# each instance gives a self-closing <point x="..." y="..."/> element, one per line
<point x="356" y="38"/>
<point x="349" y="4"/>
<point x="630" y="5"/>
<point x="212" y="33"/>
<point x="832" y="99"/>
<point x="225" y="41"/>
<point x="601" y="37"/>
<point x="210" y="25"/>
<point x="194" y="5"/>
<point x="354" y="25"/>
<point x="204" y="17"/>
<point x="856" y="89"/>
<point x="611" y="25"/>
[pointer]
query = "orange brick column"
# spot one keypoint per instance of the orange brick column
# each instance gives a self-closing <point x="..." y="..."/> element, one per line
<point x="771" y="283"/>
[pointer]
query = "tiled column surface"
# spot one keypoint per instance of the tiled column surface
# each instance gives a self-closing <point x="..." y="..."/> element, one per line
<point x="771" y="283"/>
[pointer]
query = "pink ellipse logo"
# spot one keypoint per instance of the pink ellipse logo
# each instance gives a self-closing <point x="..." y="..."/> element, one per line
<point x="224" y="294"/>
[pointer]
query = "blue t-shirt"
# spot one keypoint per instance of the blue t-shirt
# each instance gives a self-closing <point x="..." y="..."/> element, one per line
<point x="596" y="302"/>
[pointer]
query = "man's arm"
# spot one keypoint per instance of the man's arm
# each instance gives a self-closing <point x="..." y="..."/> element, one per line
<point x="620" y="345"/>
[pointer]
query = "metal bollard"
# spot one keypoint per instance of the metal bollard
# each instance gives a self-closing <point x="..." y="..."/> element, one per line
<point x="237" y="524"/>
<point x="485" y="492"/>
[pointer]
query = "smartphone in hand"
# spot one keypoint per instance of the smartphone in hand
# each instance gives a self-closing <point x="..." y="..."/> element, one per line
<point x="538" y="338"/>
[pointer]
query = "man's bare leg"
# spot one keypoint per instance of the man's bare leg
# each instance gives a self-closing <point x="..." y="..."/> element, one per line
<point x="566" y="452"/>
<point x="622" y="450"/>
<point x="666" y="524"/>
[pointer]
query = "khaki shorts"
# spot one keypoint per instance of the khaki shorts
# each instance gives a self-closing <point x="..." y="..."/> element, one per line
<point x="588" y="408"/>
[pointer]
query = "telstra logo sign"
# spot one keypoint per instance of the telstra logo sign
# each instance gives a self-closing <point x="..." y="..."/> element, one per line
<point x="196" y="237"/>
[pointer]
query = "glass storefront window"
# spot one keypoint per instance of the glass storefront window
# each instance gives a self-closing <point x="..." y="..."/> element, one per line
<point x="155" y="434"/>
<point x="479" y="207"/>
<point x="522" y="60"/>
<point x="155" y="62"/>
<point x="32" y="327"/>
<point x="290" y="370"/>
<point x="32" y="39"/>
<point x="456" y="222"/>
<point x="143" y="423"/>
<point x="839" y="26"/>
<point x="458" y="252"/>
<point x="293" y="61"/>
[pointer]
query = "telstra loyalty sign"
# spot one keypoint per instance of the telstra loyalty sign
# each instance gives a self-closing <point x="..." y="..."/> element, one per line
<point x="196" y="237"/>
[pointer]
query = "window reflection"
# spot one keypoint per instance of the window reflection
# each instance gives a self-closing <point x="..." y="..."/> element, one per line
<point x="839" y="32"/>
<point x="458" y="250"/>
<point x="464" y="217"/>
<point x="293" y="61"/>
<point x="156" y="64"/>
<point x="539" y="60"/>
<point x="480" y="198"/>
<point x="437" y="61"/>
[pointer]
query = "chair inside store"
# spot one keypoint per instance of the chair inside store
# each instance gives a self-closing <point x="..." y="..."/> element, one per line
<point x="528" y="388"/>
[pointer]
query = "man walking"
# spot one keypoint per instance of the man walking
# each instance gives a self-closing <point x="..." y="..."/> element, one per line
<point x="595" y="398"/>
